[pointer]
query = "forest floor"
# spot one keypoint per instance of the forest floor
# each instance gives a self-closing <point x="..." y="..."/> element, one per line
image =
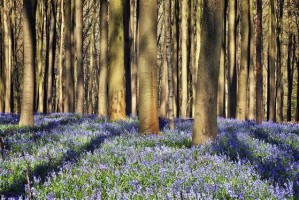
<point x="66" y="156"/>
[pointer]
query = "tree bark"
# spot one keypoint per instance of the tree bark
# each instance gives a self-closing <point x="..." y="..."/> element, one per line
<point x="27" y="118"/>
<point x="259" y="66"/>
<point x="205" y="120"/>
<point x="116" y="82"/>
<point x="79" y="48"/>
<point x="103" y="73"/>
<point x="7" y="56"/>
<point x="148" y="102"/>
<point x="243" y="73"/>
<point x="60" y="79"/>
<point x="271" y="64"/>
<point x="232" y="68"/>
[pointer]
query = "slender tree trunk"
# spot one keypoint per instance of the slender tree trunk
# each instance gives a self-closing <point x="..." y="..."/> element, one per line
<point x="252" y="94"/>
<point x="7" y="57"/>
<point x="279" y="94"/>
<point x="116" y="82"/>
<point x="148" y="99"/>
<point x="259" y="66"/>
<point x="232" y="69"/>
<point x="222" y="76"/>
<point x="184" y="32"/>
<point x="169" y="61"/>
<point x="103" y="101"/>
<point x="79" y="48"/>
<point x="290" y="74"/>
<point x="205" y="120"/>
<point x="193" y="16"/>
<point x="60" y="101"/>
<point x="175" y="55"/>
<point x="243" y="73"/>
<point x="164" y="75"/>
<point x="297" y="103"/>
<point x="271" y="64"/>
<point x="127" y="58"/>
<point x="69" y="74"/>
<point x="1" y="60"/>
<point x="40" y="44"/>
<point x="29" y="63"/>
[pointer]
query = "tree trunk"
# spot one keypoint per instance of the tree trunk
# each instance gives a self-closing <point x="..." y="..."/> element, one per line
<point x="103" y="101"/>
<point x="232" y="68"/>
<point x="127" y="58"/>
<point x="60" y="101"/>
<point x="290" y="74"/>
<point x="69" y="71"/>
<point x="116" y="82"/>
<point x="205" y="119"/>
<point x="7" y="57"/>
<point x="148" y="100"/>
<point x="222" y="75"/>
<point x="252" y="94"/>
<point x="193" y="38"/>
<point x="79" y="48"/>
<point x="279" y="94"/>
<point x="1" y="61"/>
<point x="271" y="91"/>
<point x="169" y="61"/>
<point x="243" y="73"/>
<point x="259" y="66"/>
<point x="175" y="37"/>
<point x="184" y="32"/>
<point x="27" y="118"/>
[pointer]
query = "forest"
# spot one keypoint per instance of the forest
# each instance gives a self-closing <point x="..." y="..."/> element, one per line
<point x="149" y="99"/>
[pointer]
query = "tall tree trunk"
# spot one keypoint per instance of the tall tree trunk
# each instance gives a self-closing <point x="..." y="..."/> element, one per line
<point x="297" y="103"/>
<point x="290" y="74"/>
<point x="133" y="56"/>
<point x="279" y="94"/>
<point x="193" y="38"/>
<point x="232" y="68"/>
<point x="148" y="99"/>
<point x="271" y="91"/>
<point x="103" y="100"/>
<point x="60" y="101"/>
<point x="222" y="76"/>
<point x="243" y="73"/>
<point x="251" y="81"/>
<point x="116" y="82"/>
<point x="205" y="119"/>
<point x="91" y="61"/>
<point x="1" y="61"/>
<point x="79" y="48"/>
<point x="29" y="63"/>
<point x="175" y="37"/>
<point x="259" y="66"/>
<point x="164" y="76"/>
<point x="169" y="61"/>
<point x="69" y="71"/>
<point x="184" y="32"/>
<point x="127" y="58"/>
<point x="7" y="57"/>
<point x="40" y="44"/>
<point x="51" y="56"/>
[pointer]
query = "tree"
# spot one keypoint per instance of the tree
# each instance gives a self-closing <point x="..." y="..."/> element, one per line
<point x="243" y="72"/>
<point x="29" y="63"/>
<point x="205" y="119"/>
<point x="184" y="81"/>
<point x="60" y="99"/>
<point x="148" y="100"/>
<point x="69" y="71"/>
<point x="116" y="82"/>
<point x="232" y="69"/>
<point x="259" y="69"/>
<point x="79" y="48"/>
<point x="103" y="101"/>
<point x="271" y="64"/>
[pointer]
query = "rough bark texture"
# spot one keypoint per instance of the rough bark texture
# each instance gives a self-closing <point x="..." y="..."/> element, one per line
<point x="148" y="99"/>
<point x="259" y="66"/>
<point x="175" y="55"/>
<point x="69" y="71"/>
<point x="243" y="72"/>
<point x="29" y="63"/>
<point x="184" y="32"/>
<point x="79" y="48"/>
<point x="7" y="56"/>
<point x="271" y="89"/>
<point x="290" y="75"/>
<point x="205" y="119"/>
<point x="60" y="81"/>
<point x="116" y="82"/>
<point x="232" y="69"/>
<point x="103" y="100"/>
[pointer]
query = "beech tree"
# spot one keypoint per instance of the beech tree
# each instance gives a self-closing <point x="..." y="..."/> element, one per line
<point x="205" y="119"/>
